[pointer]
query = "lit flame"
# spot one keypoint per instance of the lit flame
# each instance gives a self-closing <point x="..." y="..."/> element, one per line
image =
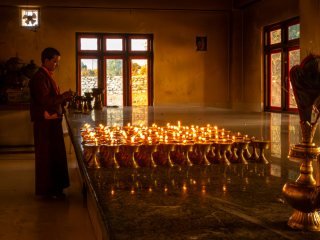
<point x="184" y="187"/>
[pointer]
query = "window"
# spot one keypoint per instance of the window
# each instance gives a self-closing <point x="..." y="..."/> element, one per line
<point x="121" y="64"/>
<point x="282" y="52"/>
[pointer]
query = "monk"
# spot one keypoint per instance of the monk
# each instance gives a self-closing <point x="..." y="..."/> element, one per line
<point x="46" y="110"/>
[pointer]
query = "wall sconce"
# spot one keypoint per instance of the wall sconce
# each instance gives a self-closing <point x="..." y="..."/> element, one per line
<point x="29" y="17"/>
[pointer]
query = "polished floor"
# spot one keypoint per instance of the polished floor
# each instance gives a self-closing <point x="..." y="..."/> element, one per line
<point x="24" y="217"/>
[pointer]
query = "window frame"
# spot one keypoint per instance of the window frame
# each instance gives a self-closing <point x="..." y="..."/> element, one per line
<point x="102" y="54"/>
<point x="284" y="47"/>
<point x="274" y="51"/>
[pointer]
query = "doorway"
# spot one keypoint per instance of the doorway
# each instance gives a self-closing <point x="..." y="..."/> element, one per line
<point x="282" y="52"/>
<point x="120" y="64"/>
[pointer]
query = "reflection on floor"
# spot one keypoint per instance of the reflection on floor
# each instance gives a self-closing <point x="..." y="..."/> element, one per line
<point x="24" y="217"/>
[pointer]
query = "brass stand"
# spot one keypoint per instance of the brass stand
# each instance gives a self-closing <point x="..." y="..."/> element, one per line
<point x="97" y="94"/>
<point x="303" y="194"/>
<point x="234" y="156"/>
<point x="242" y="146"/>
<point x="91" y="159"/>
<point x="131" y="149"/>
<point x="246" y="152"/>
<point x="217" y="154"/>
<point x="112" y="150"/>
<point x="262" y="145"/>
<point x="167" y="148"/>
<point x="203" y="149"/>
<point x="224" y="147"/>
<point x="254" y="156"/>
<point x="88" y="98"/>
<point x="185" y="149"/>
<point x="149" y="150"/>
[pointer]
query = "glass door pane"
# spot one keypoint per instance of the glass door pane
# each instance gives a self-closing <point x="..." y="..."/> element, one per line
<point x="139" y="82"/>
<point x="114" y="82"/>
<point x="294" y="59"/>
<point x="275" y="75"/>
<point x="89" y="74"/>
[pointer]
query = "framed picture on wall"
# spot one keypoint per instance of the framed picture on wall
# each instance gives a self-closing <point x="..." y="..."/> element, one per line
<point x="201" y="43"/>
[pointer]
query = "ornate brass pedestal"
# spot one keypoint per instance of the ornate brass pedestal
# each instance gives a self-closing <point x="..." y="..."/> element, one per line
<point x="216" y="153"/>
<point x="303" y="194"/>
<point x="262" y="146"/>
<point x="254" y="156"/>
<point x="88" y="99"/>
<point x="185" y="148"/>
<point x="203" y="149"/>
<point x="131" y="150"/>
<point x="111" y="151"/>
<point x="149" y="149"/>
<point x="90" y="155"/>
<point x="241" y="147"/>
<point x="97" y="94"/>
<point x="224" y="147"/>
<point x="167" y="148"/>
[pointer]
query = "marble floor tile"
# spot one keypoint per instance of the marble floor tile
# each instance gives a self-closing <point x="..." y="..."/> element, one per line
<point x="239" y="201"/>
<point x="24" y="217"/>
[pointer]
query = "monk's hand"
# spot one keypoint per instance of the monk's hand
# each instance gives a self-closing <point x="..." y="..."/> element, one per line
<point x="49" y="116"/>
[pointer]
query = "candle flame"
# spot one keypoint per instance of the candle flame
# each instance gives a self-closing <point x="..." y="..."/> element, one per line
<point x="184" y="187"/>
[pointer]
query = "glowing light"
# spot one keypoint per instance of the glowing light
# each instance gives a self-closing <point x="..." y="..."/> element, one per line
<point x="224" y="188"/>
<point x="184" y="187"/>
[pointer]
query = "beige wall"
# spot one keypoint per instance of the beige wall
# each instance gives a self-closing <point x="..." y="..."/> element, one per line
<point x="181" y="74"/>
<point x="248" y="93"/>
<point x="15" y="128"/>
<point x="309" y="22"/>
<point x="229" y="74"/>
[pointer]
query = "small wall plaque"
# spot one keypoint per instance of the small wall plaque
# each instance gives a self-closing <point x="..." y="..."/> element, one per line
<point x="201" y="43"/>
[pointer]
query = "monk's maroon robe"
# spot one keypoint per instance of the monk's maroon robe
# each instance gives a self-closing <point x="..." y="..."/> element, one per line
<point x="50" y="154"/>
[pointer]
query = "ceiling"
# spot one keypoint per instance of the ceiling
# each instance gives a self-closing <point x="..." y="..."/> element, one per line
<point x="211" y="5"/>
